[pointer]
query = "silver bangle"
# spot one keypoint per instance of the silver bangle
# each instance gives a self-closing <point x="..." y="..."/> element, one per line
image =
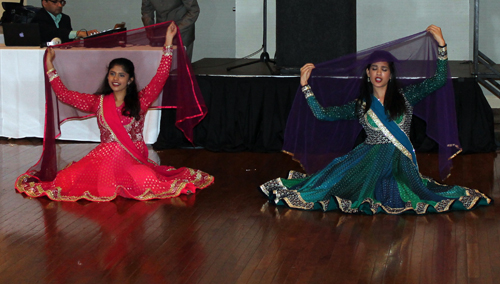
<point x="168" y="50"/>
<point x="442" y="52"/>
<point x="307" y="91"/>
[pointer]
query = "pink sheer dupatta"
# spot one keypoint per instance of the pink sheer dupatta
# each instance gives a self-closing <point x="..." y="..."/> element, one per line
<point x="82" y="65"/>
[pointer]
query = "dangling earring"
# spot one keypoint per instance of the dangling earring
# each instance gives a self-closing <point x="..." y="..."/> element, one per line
<point x="368" y="79"/>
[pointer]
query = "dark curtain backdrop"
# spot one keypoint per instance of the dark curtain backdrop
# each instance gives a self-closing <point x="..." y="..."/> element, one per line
<point x="245" y="114"/>
<point x="250" y="113"/>
<point x="313" y="31"/>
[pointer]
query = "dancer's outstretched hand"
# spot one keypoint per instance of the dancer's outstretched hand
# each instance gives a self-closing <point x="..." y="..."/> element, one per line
<point x="51" y="54"/>
<point x="171" y="31"/>
<point x="437" y="34"/>
<point x="305" y="73"/>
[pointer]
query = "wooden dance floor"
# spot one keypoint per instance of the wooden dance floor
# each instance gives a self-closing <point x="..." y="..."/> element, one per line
<point x="228" y="233"/>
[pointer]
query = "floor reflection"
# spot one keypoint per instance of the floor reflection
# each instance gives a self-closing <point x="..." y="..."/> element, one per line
<point x="228" y="233"/>
<point x="114" y="239"/>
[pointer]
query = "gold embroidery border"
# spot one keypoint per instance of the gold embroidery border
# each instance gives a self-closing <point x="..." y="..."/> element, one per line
<point x="100" y="113"/>
<point x="420" y="208"/>
<point x="389" y="135"/>
<point x="55" y="194"/>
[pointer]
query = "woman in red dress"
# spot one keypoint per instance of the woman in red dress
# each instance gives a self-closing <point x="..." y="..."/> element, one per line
<point x="119" y="166"/>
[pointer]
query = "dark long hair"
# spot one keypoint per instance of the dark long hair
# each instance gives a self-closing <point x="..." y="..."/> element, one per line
<point x="394" y="103"/>
<point x="132" y="106"/>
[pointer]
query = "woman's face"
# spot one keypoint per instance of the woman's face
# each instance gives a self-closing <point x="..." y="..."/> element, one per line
<point x="379" y="74"/>
<point x="118" y="79"/>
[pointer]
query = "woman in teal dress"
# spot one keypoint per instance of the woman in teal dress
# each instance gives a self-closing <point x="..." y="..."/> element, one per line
<point x="381" y="174"/>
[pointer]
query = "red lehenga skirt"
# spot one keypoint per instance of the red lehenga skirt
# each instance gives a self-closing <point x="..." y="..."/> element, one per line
<point x="119" y="165"/>
<point x="109" y="171"/>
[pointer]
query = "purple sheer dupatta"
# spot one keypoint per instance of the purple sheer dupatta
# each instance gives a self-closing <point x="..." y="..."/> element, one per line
<point x="82" y="65"/>
<point x="316" y="143"/>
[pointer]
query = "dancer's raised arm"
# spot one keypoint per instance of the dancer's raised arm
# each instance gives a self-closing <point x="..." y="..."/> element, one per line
<point x="149" y="94"/>
<point x="81" y="101"/>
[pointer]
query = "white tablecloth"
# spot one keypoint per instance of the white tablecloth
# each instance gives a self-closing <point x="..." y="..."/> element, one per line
<point x="22" y="96"/>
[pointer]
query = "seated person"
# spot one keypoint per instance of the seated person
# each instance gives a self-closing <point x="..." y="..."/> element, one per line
<point x="53" y="23"/>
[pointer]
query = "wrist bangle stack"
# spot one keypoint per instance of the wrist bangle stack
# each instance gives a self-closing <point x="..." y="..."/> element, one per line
<point x="52" y="74"/>
<point x="442" y="52"/>
<point x="168" y="50"/>
<point x="307" y="91"/>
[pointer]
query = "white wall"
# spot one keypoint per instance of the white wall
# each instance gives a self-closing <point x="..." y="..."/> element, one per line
<point x="382" y="21"/>
<point x="222" y="32"/>
<point x="215" y="28"/>
<point x="100" y="14"/>
<point x="489" y="28"/>
<point x="489" y="38"/>
<point x="250" y="27"/>
<point x="233" y="28"/>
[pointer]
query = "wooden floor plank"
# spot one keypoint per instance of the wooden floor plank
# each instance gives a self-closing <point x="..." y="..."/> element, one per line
<point x="229" y="233"/>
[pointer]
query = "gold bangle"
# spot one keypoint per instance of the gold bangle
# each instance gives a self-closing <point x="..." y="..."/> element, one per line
<point x="52" y="74"/>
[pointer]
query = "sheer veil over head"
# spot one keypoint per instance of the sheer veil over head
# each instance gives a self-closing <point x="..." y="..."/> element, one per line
<point x="316" y="143"/>
<point x="380" y="56"/>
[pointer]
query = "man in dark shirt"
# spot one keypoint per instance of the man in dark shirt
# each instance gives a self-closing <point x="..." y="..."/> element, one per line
<point x="54" y="24"/>
<point x="183" y="12"/>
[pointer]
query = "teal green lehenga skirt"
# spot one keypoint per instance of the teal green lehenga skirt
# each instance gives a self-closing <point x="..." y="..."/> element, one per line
<point x="371" y="179"/>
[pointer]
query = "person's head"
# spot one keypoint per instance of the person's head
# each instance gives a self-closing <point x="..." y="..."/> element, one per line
<point x="380" y="72"/>
<point x="380" y="68"/>
<point x="54" y="7"/>
<point x="121" y="74"/>
<point x="121" y="77"/>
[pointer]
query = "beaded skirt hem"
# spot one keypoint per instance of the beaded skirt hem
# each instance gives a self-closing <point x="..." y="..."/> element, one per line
<point x="37" y="189"/>
<point x="109" y="171"/>
<point x="371" y="179"/>
<point x="282" y="196"/>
